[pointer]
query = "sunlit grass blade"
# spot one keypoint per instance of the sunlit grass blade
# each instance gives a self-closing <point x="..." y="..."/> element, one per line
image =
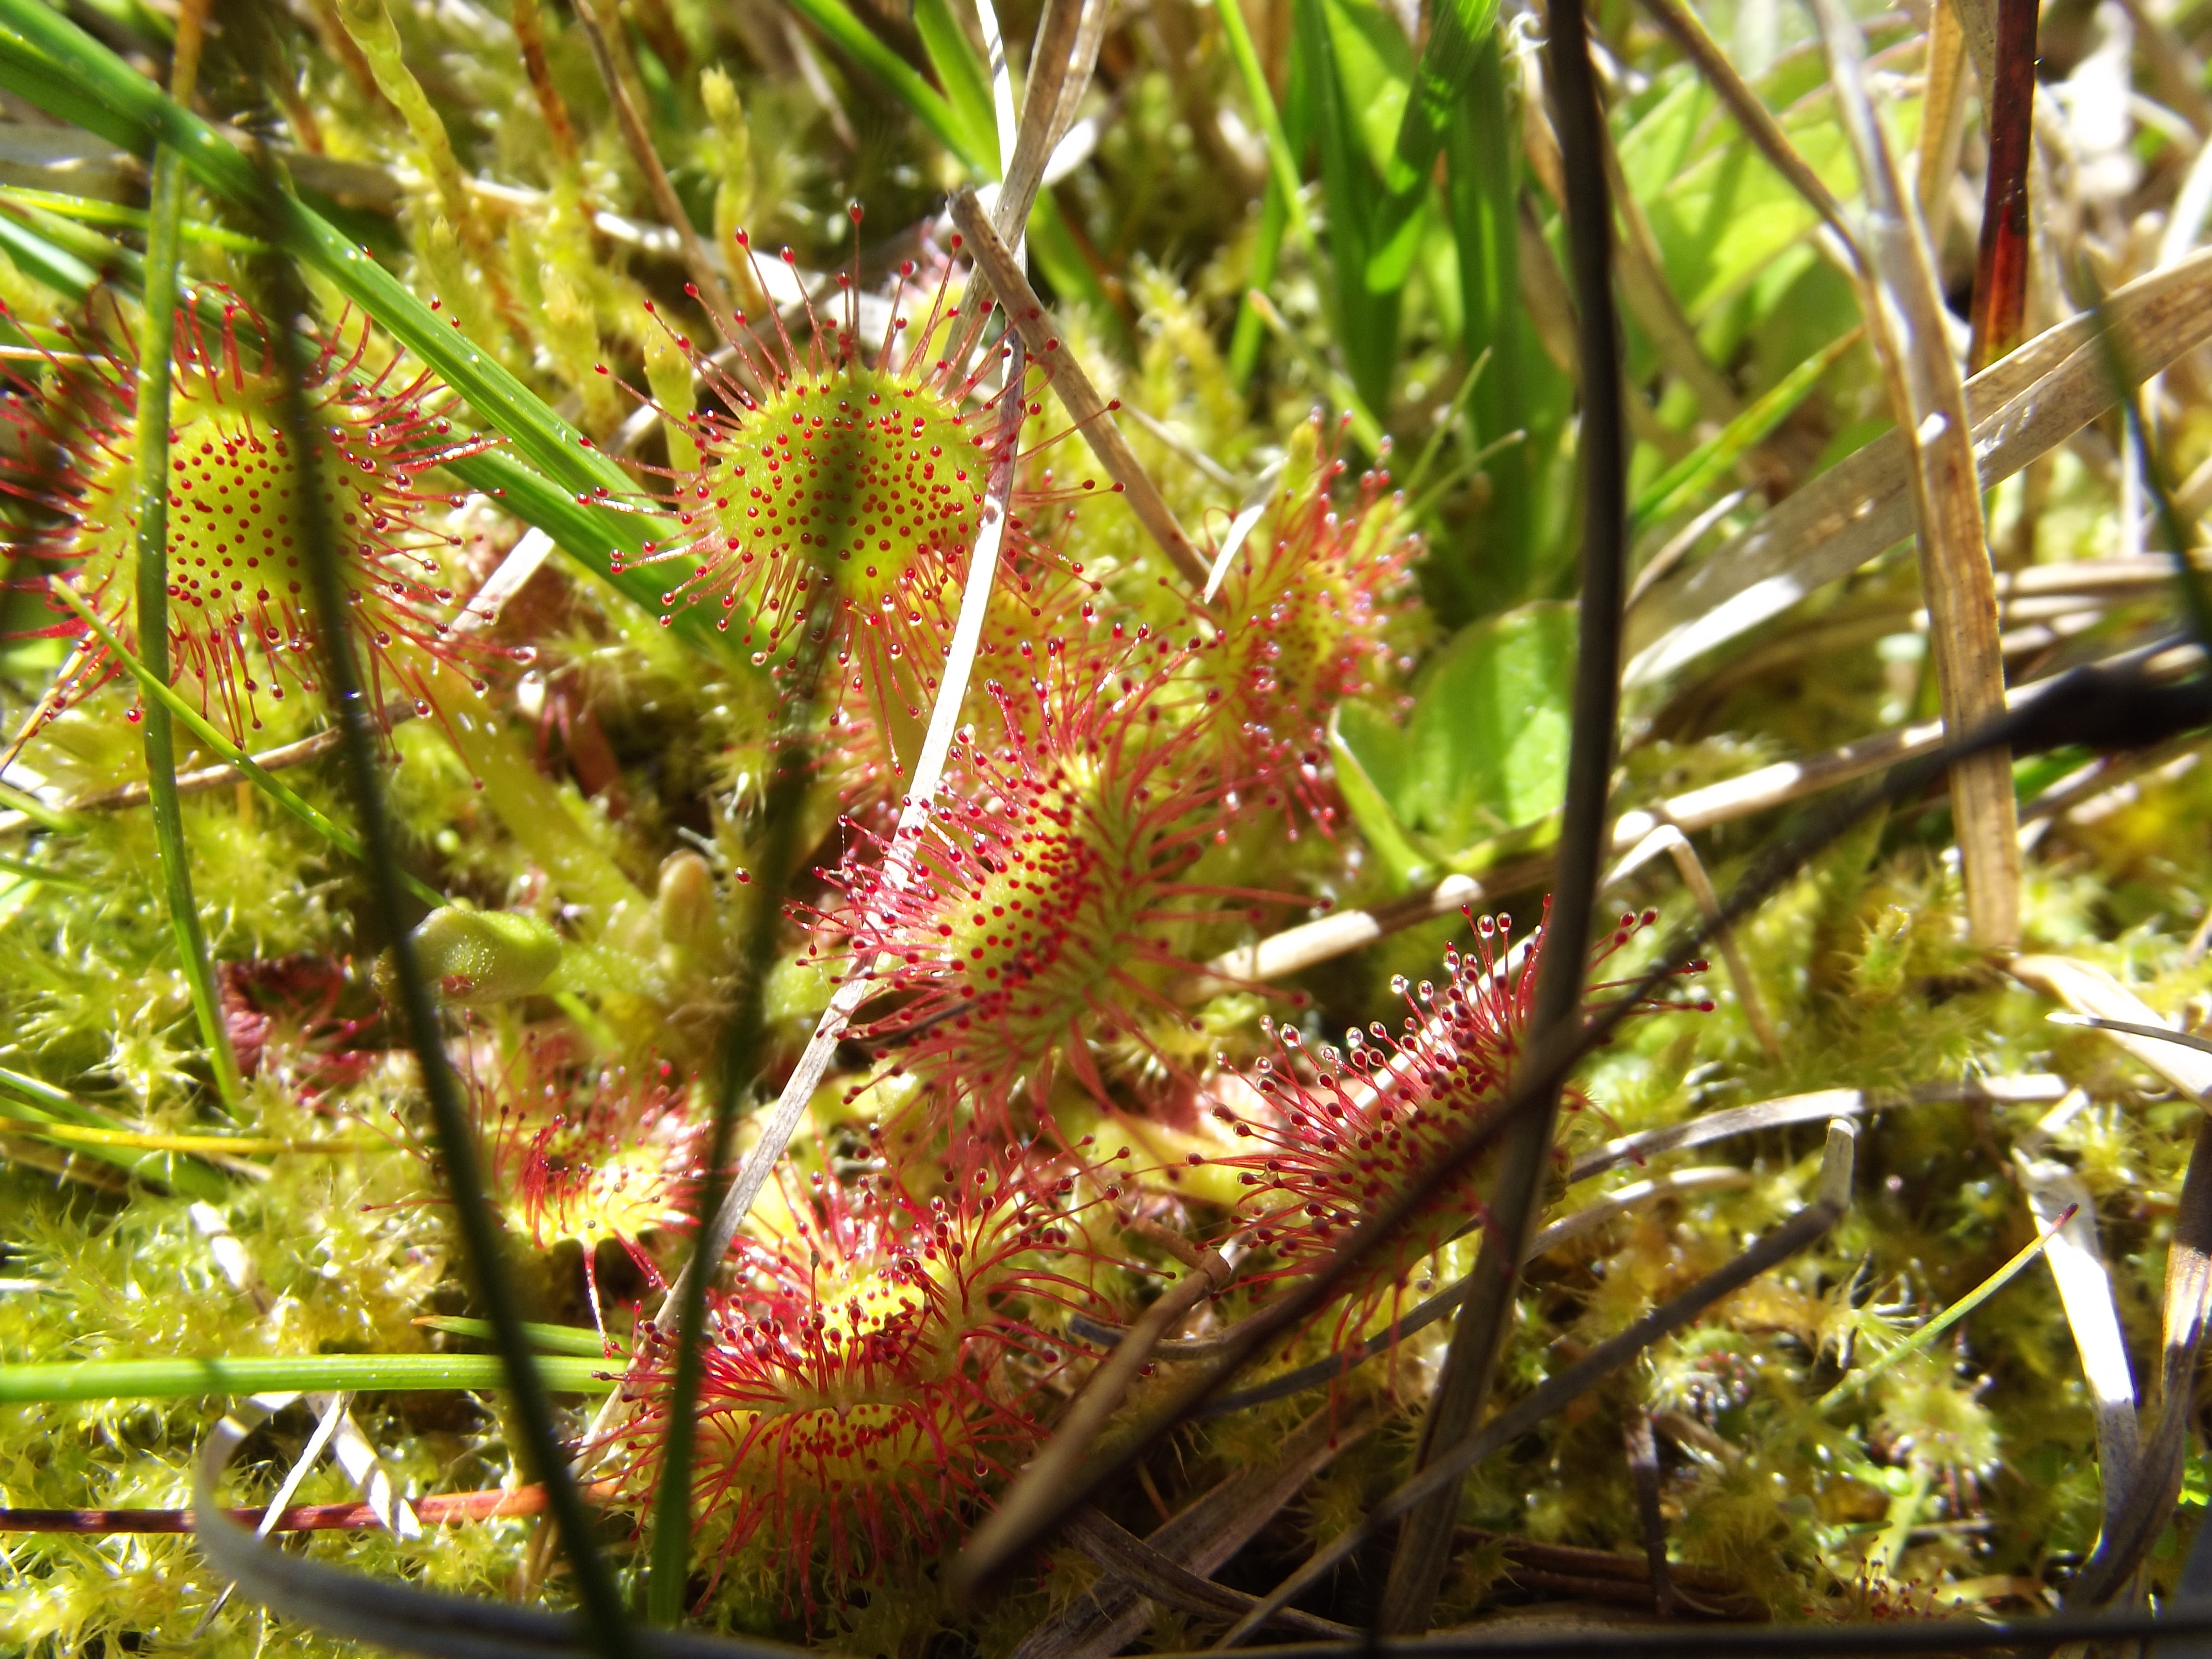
<point x="96" y="210"/>
<point x="1443" y="83"/>
<point x="1367" y="318"/>
<point x="177" y="1379"/>
<point x="49" y="60"/>
<point x="1688" y="478"/>
<point x="865" y="48"/>
<point x="27" y="1105"/>
<point x="1482" y="204"/>
<point x="966" y="81"/>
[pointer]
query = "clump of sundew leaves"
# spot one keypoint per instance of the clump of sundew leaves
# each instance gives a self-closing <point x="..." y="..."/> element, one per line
<point x="1222" y="922"/>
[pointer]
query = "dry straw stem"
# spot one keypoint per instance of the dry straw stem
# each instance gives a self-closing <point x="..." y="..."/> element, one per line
<point x="1809" y="1225"/>
<point x="1202" y="1536"/>
<point x="1669" y="839"/>
<point x="1119" y="1551"/>
<point x="1036" y="1491"/>
<point x="1903" y="306"/>
<point x="1943" y="120"/>
<point x="706" y="275"/>
<point x="1093" y="415"/>
<point x="2025" y="404"/>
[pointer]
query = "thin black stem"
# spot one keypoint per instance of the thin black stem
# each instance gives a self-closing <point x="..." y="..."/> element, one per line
<point x="481" y="1234"/>
<point x="1425" y="1543"/>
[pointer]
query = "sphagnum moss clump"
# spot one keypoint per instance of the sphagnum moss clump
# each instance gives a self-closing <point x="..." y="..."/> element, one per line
<point x="1150" y="884"/>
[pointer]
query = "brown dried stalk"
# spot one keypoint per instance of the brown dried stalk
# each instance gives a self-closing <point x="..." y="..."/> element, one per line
<point x="609" y="52"/>
<point x="1903" y="306"/>
<point x="1093" y="415"/>
<point x="1203" y="1536"/>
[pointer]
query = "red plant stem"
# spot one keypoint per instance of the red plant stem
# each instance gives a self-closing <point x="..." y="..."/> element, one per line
<point x="2001" y="267"/>
<point x="303" y="1517"/>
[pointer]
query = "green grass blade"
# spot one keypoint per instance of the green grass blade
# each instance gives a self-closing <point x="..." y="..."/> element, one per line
<point x="40" y="260"/>
<point x="48" y="60"/>
<point x="1266" y="254"/>
<point x="966" y="79"/>
<point x="179" y="1379"/>
<point x="1282" y="160"/>
<point x="1481" y="203"/>
<point x="865" y="48"/>
<point x="156" y="345"/>
<point x="1920" y="1339"/>
<point x="1689" y="477"/>
<point x="229" y="752"/>
<point x="1367" y="321"/>
<point x="1442" y="81"/>
<point x="94" y="210"/>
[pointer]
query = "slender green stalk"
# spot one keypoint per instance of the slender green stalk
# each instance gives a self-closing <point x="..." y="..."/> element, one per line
<point x="156" y="345"/>
<point x="1266" y="254"/>
<point x="92" y="210"/>
<point x="578" y="1340"/>
<point x="1283" y="208"/>
<point x="389" y="1373"/>
<point x="47" y="817"/>
<point x="1684" y="482"/>
<point x="31" y="872"/>
<point x="1919" y="1340"/>
<point x="478" y="1219"/>
<point x="229" y="753"/>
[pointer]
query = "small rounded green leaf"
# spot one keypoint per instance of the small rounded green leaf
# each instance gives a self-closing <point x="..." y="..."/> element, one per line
<point x="478" y="958"/>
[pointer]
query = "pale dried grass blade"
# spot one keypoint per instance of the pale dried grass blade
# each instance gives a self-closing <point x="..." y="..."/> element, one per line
<point x="914" y="816"/>
<point x="2085" y="1291"/>
<point x="2087" y="989"/>
<point x="2027" y="405"/>
<point x="1903" y="305"/>
<point x="1669" y="839"/>
<point x="1119" y="1551"/>
<point x="1943" y="120"/>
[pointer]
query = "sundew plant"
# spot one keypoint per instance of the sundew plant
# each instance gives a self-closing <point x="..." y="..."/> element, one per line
<point x="928" y="831"/>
